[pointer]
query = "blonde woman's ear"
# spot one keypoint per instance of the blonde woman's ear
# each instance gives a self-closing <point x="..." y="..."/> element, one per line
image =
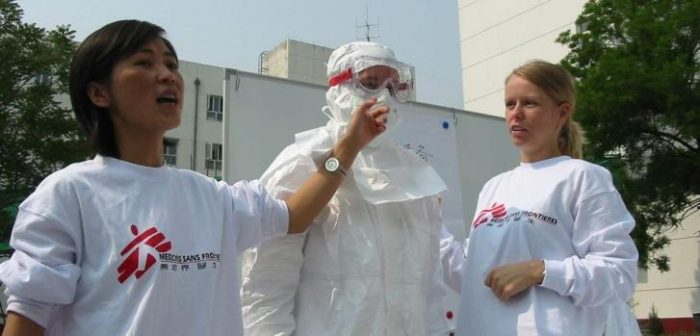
<point x="565" y="110"/>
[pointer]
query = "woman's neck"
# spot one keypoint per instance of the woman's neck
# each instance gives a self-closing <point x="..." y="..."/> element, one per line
<point x="141" y="148"/>
<point x="531" y="157"/>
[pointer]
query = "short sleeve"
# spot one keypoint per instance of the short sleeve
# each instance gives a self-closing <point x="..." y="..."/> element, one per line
<point x="256" y="214"/>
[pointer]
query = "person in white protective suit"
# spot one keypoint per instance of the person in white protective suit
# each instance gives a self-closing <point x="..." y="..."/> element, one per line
<point x="369" y="264"/>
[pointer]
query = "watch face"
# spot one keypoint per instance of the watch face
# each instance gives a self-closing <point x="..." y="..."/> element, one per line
<point x="332" y="164"/>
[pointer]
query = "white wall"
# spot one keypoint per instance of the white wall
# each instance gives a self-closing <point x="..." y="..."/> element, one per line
<point x="498" y="35"/>
<point x="675" y="293"/>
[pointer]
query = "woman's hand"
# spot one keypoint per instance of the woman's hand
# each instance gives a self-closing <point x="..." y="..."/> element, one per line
<point x="366" y="123"/>
<point x="509" y="280"/>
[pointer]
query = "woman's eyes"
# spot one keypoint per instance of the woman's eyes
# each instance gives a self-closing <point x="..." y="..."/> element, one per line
<point x="370" y="84"/>
<point x="526" y="103"/>
<point x="143" y="62"/>
<point x="172" y="65"/>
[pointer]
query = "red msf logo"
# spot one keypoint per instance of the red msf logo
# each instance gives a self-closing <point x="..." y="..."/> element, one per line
<point x="130" y="265"/>
<point x="495" y="212"/>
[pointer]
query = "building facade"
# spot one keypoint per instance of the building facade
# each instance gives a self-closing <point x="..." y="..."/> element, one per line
<point x="498" y="35"/>
<point x="197" y="143"/>
<point x="674" y="295"/>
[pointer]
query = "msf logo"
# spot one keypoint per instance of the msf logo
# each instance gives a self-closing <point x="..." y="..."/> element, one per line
<point x="496" y="211"/>
<point x="151" y="237"/>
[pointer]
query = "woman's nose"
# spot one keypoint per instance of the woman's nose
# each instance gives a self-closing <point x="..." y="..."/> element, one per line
<point x="515" y="111"/>
<point x="166" y="74"/>
<point x="518" y="110"/>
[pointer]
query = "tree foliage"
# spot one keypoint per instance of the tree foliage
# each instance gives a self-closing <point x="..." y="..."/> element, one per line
<point x="637" y="65"/>
<point x="38" y="134"/>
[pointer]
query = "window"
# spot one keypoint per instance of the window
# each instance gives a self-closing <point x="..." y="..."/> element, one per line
<point x="215" y="107"/>
<point x="213" y="159"/>
<point x="170" y="151"/>
<point x="42" y="78"/>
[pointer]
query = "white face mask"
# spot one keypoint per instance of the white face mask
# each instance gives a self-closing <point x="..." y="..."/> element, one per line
<point x="343" y="101"/>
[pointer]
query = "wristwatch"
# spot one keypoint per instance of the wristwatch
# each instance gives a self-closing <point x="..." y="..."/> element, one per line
<point x="332" y="165"/>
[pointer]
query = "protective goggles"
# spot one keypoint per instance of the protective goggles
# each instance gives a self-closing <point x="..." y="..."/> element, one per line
<point x="372" y="81"/>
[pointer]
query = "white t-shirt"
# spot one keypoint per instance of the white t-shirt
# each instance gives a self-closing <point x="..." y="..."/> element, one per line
<point x="106" y="247"/>
<point x="568" y="213"/>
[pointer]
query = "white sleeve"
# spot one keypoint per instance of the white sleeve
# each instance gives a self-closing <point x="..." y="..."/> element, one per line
<point x="452" y="258"/>
<point x="256" y="214"/>
<point x="39" y="312"/>
<point x="604" y="269"/>
<point x="42" y="272"/>
<point x="271" y="276"/>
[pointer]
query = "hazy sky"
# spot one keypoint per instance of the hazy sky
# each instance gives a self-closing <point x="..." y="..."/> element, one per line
<point x="233" y="33"/>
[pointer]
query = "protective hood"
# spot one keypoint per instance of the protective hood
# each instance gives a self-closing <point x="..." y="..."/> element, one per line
<point x="383" y="172"/>
<point x="346" y="91"/>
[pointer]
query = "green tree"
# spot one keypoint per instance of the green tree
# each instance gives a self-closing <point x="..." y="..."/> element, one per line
<point x="637" y="65"/>
<point x="38" y="134"/>
<point x="655" y="326"/>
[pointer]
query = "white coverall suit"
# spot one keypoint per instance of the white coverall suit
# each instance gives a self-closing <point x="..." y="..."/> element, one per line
<point x="368" y="266"/>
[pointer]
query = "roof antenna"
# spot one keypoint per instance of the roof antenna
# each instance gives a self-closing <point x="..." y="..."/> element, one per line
<point x="367" y="26"/>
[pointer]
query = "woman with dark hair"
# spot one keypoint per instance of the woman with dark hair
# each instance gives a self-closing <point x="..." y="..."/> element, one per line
<point x="123" y="245"/>
<point x="93" y="63"/>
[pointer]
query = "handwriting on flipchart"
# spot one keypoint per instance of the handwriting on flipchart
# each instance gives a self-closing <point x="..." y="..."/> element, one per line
<point x="420" y="150"/>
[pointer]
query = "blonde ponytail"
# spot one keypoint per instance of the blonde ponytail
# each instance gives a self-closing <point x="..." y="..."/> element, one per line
<point x="571" y="139"/>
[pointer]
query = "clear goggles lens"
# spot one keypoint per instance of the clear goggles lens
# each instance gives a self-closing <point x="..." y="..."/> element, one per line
<point x="372" y="76"/>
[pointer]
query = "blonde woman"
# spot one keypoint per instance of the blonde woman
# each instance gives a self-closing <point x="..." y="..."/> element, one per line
<point x="549" y="249"/>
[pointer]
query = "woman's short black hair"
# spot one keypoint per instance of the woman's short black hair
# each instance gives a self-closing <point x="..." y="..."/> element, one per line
<point x="94" y="61"/>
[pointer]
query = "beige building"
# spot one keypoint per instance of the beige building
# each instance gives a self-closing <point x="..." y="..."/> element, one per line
<point x="498" y="35"/>
<point x="296" y="60"/>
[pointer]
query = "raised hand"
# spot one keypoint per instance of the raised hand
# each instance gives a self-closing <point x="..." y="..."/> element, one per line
<point x="366" y="124"/>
